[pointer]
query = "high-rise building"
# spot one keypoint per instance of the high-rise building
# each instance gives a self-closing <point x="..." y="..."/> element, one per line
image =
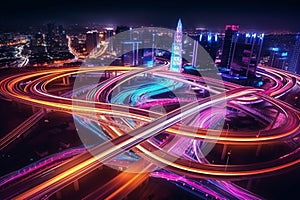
<point x="38" y="44"/>
<point x="241" y="52"/>
<point x="246" y="51"/>
<point x="92" y="40"/>
<point x="295" y="58"/>
<point x="56" y="39"/>
<point x="131" y="53"/>
<point x="176" y="57"/>
<point x="124" y="36"/>
<point x="227" y="50"/>
<point x="50" y="36"/>
<point x="148" y="37"/>
<point x="282" y="51"/>
<point x="61" y="36"/>
<point x="210" y="41"/>
<point x="278" y="59"/>
<point x="109" y="32"/>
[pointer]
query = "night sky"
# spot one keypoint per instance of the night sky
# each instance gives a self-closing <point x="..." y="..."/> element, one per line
<point x="249" y="14"/>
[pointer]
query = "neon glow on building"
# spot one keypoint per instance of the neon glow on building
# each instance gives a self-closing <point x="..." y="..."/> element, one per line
<point x="176" y="57"/>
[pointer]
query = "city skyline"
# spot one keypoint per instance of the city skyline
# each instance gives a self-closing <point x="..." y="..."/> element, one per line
<point x="117" y="100"/>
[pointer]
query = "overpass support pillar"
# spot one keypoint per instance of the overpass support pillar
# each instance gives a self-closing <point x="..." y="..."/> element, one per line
<point x="66" y="80"/>
<point x="58" y="195"/>
<point x="249" y="184"/>
<point x="258" y="150"/>
<point x="45" y="110"/>
<point x="76" y="185"/>
<point x="224" y="151"/>
<point x="108" y="74"/>
<point x="34" y="109"/>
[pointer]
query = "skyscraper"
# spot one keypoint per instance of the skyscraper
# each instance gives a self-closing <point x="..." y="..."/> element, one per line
<point x="109" y="32"/>
<point x="50" y="36"/>
<point x="282" y="51"/>
<point x="227" y="50"/>
<point x="245" y="53"/>
<point x="131" y="53"/>
<point x="176" y="57"/>
<point x="295" y="58"/>
<point x="92" y="40"/>
<point x="124" y="36"/>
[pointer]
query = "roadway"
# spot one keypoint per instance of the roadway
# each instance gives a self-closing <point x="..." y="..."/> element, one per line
<point x="158" y="122"/>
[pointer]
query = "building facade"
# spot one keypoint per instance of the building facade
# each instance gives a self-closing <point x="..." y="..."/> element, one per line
<point x="176" y="56"/>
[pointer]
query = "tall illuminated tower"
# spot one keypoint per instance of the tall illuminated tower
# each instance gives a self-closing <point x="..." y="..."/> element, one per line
<point x="176" y="57"/>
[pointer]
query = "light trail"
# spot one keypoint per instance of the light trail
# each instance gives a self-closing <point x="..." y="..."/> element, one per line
<point x="35" y="93"/>
<point x="64" y="104"/>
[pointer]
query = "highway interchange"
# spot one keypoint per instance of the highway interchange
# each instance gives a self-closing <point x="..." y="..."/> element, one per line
<point x="121" y="108"/>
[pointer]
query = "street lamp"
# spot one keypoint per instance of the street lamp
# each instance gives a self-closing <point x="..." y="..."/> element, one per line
<point x="259" y="146"/>
<point x="227" y="160"/>
<point x="227" y="129"/>
<point x="258" y="134"/>
<point x="225" y="145"/>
